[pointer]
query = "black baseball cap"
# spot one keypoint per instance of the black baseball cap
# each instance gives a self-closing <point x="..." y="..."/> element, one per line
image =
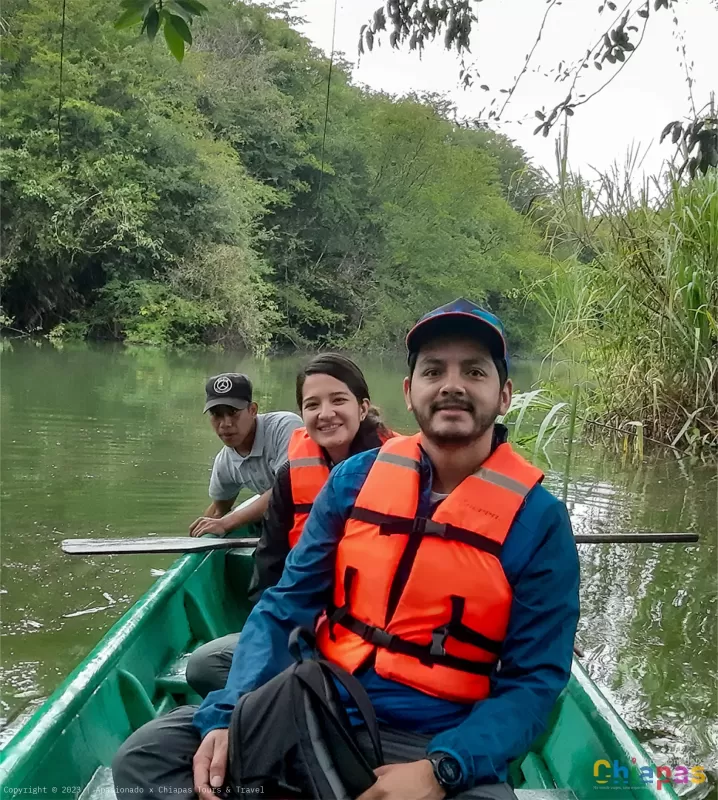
<point x="228" y="389"/>
<point x="463" y="315"/>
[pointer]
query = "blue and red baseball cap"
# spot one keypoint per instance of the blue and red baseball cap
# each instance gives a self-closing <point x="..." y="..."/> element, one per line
<point x="461" y="317"/>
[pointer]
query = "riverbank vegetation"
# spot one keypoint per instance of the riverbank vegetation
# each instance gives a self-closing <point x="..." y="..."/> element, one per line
<point x="633" y="296"/>
<point x="230" y="199"/>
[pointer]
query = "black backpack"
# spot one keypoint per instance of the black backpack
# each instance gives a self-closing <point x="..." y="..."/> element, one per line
<point x="292" y="738"/>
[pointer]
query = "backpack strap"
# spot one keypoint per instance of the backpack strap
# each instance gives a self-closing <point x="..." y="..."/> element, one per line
<point x="294" y="645"/>
<point x="361" y="700"/>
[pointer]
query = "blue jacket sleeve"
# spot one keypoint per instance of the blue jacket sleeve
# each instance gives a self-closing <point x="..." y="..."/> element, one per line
<point x="299" y="597"/>
<point x="536" y="657"/>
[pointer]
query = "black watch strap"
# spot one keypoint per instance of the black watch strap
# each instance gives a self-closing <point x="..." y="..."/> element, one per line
<point x="447" y="771"/>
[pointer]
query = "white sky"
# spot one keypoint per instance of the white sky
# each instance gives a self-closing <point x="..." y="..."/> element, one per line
<point x="649" y="92"/>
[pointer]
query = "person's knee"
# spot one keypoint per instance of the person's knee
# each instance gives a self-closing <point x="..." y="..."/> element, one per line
<point x="123" y="768"/>
<point x="196" y="670"/>
<point x="209" y="665"/>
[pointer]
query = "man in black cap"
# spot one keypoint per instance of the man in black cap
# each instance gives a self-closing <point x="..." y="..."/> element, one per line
<point x="255" y="446"/>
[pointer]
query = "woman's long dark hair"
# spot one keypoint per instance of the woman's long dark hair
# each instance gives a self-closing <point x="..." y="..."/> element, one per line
<point x="372" y="429"/>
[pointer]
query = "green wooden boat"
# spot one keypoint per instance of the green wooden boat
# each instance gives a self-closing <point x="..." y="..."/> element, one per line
<point x="137" y="672"/>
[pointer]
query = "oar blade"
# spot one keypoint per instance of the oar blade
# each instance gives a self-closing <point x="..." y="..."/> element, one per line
<point x="150" y="544"/>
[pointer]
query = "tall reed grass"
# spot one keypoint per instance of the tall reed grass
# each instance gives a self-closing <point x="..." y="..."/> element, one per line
<point x="634" y="298"/>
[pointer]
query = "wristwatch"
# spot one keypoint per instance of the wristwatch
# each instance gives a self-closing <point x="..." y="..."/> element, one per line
<point x="447" y="772"/>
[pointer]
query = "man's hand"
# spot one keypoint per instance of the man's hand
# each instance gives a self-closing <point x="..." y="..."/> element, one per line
<point x="412" y="781"/>
<point x="209" y="764"/>
<point x="207" y="525"/>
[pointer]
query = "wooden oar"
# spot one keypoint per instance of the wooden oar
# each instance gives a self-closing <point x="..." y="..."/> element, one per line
<point x="188" y="544"/>
<point x="150" y="544"/>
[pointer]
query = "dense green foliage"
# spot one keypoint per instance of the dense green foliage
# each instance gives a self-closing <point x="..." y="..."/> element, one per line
<point x="201" y="202"/>
<point x="637" y="303"/>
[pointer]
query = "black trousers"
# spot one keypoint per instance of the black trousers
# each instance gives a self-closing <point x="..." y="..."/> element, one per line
<point x="157" y="759"/>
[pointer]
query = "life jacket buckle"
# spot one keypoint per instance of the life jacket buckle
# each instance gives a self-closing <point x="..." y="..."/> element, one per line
<point x="438" y="639"/>
<point x="426" y="525"/>
<point x="419" y="525"/>
<point x="380" y="638"/>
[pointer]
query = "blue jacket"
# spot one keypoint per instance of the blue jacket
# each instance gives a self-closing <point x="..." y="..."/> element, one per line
<point x="540" y="561"/>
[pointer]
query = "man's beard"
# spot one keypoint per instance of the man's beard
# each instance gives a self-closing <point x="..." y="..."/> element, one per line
<point x="483" y="421"/>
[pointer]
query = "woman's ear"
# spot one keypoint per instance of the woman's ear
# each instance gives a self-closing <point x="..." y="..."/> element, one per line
<point x="364" y="407"/>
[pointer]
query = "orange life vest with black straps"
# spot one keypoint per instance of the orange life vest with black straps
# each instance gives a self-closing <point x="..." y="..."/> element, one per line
<point x="427" y="598"/>
<point x="308" y="472"/>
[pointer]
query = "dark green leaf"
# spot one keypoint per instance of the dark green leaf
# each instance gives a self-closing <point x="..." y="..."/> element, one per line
<point x="620" y="56"/>
<point x="181" y="27"/>
<point x="174" y="39"/>
<point x="175" y="8"/>
<point x="193" y="6"/>
<point x="569" y="111"/>
<point x="540" y="127"/>
<point x="676" y="134"/>
<point x="612" y="6"/>
<point x="643" y="12"/>
<point x="598" y="65"/>
<point x="484" y="87"/>
<point x="666" y="131"/>
<point x="129" y="18"/>
<point x="151" y="23"/>
<point x="540" y="115"/>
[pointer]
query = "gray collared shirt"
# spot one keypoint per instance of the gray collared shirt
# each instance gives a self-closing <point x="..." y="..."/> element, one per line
<point x="232" y="473"/>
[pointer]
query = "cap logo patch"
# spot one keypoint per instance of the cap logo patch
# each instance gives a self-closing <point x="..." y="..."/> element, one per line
<point x="222" y="385"/>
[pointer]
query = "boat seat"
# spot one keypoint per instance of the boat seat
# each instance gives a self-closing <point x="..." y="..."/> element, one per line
<point x="545" y="794"/>
<point x="100" y="786"/>
<point x="173" y="680"/>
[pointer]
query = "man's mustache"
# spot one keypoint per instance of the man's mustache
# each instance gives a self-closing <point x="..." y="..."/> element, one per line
<point x="453" y="404"/>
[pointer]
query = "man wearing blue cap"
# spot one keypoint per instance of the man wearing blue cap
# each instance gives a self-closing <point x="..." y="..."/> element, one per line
<point x="453" y="597"/>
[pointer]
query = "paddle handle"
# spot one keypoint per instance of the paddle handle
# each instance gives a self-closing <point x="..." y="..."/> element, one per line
<point x="634" y="538"/>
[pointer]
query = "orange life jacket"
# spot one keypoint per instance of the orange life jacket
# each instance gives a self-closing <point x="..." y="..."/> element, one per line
<point x="308" y="472"/>
<point x="427" y="598"/>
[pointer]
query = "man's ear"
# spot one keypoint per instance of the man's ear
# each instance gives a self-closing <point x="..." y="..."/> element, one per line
<point x="507" y="391"/>
<point x="253" y="408"/>
<point x="407" y="393"/>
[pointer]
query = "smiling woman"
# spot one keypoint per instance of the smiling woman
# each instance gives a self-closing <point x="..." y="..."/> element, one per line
<point x="339" y="421"/>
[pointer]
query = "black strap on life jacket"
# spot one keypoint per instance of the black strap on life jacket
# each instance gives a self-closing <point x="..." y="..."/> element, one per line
<point x="427" y="654"/>
<point x="425" y="526"/>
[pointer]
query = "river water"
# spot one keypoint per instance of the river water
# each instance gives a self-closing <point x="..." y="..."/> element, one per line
<point x="101" y="440"/>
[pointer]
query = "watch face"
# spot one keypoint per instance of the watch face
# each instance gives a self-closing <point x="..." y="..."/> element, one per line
<point x="449" y="770"/>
